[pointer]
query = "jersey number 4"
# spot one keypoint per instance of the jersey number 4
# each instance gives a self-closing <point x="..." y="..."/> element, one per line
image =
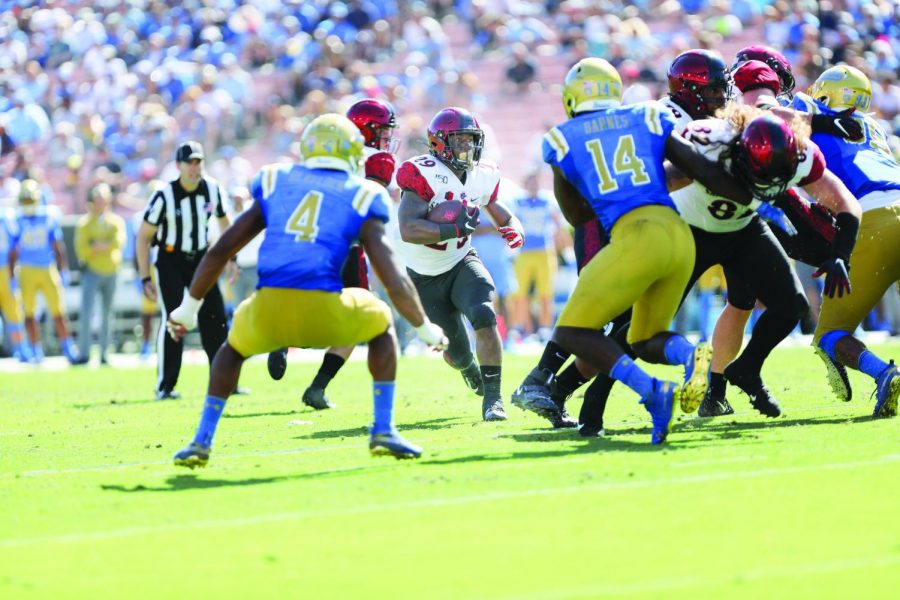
<point x="625" y="161"/>
<point x="304" y="221"/>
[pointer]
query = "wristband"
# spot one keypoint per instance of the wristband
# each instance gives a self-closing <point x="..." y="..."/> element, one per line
<point x="191" y="303"/>
<point x="845" y="237"/>
<point x="144" y="280"/>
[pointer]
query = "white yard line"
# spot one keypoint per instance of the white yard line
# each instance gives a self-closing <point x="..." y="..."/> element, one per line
<point x="434" y="503"/>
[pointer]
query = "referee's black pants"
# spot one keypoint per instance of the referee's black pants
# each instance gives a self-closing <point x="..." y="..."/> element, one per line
<point x="174" y="271"/>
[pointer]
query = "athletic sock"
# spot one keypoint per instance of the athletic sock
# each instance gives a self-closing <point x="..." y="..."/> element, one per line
<point x="717" y="384"/>
<point x="331" y="364"/>
<point x="678" y="350"/>
<point x="209" y="420"/>
<point x="632" y="375"/>
<point x="570" y="380"/>
<point x="553" y="358"/>
<point x="871" y="365"/>
<point x="383" y="401"/>
<point x="490" y="375"/>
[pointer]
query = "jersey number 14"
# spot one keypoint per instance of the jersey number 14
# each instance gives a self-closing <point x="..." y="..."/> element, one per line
<point x="625" y="162"/>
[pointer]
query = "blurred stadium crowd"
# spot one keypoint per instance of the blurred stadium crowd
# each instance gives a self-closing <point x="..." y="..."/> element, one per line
<point x="103" y="91"/>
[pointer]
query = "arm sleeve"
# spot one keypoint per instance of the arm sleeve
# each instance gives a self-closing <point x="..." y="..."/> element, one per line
<point x="410" y="178"/>
<point x="153" y="214"/>
<point x="817" y="169"/>
<point x="380" y="208"/>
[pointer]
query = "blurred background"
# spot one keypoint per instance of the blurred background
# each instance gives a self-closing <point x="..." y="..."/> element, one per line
<point x="103" y="91"/>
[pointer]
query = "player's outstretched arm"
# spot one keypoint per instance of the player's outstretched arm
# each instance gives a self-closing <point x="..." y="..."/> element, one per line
<point x="573" y="206"/>
<point x="692" y="163"/>
<point x="397" y="284"/>
<point x="245" y="228"/>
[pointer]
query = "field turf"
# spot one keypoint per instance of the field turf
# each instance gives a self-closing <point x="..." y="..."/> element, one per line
<point x="292" y="505"/>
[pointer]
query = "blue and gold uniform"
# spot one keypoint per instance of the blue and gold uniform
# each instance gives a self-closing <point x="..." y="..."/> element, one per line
<point x="614" y="158"/>
<point x="312" y="217"/>
<point x="10" y="301"/>
<point x="37" y="232"/>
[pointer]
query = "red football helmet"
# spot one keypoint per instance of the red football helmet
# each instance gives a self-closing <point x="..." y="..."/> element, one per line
<point x="376" y="121"/>
<point x="774" y="59"/>
<point x="455" y="138"/>
<point x="699" y="82"/>
<point x="767" y="155"/>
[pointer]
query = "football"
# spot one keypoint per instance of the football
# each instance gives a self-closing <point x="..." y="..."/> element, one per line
<point x="445" y="212"/>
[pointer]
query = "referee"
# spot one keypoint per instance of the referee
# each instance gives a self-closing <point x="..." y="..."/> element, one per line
<point x="176" y="221"/>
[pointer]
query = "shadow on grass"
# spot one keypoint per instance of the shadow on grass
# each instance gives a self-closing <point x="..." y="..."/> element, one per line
<point x="429" y="424"/>
<point x="193" y="481"/>
<point x="112" y="402"/>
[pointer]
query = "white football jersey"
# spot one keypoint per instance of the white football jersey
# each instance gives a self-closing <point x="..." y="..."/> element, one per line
<point x="712" y="213"/>
<point x="682" y="119"/>
<point x="435" y="183"/>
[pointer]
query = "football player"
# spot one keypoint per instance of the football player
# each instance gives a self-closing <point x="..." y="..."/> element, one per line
<point x="39" y="250"/>
<point x="873" y="175"/>
<point x="699" y="84"/>
<point x="607" y="160"/>
<point x="376" y="122"/>
<point x="312" y="213"/>
<point x="450" y="277"/>
<point x="10" y="299"/>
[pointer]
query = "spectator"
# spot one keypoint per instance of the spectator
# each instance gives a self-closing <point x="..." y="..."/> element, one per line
<point x="99" y="238"/>
<point x="523" y="70"/>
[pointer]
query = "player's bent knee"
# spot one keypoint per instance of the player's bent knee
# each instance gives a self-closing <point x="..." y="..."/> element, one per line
<point x="482" y="316"/>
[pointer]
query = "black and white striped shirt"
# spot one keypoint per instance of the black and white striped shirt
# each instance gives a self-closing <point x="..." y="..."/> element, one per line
<point x="183" y="217"/>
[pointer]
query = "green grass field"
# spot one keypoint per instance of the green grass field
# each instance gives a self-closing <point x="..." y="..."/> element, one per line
<point x="292" y="505"/>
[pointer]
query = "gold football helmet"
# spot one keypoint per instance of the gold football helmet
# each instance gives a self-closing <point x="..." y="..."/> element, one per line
<point x="332" y="141"/>
<point x="591" y="84"/>
<point x="843" y="87"/>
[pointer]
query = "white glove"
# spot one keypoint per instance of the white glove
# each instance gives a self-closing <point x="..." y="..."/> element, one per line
<point x="184" y="318"/>
<point x="432" y="335"/>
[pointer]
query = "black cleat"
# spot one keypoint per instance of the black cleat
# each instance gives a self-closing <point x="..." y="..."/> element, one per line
<point x="590" y="430"/>
<point x="315" y="398"/>
<point x="472" y="376"/>
<point x="714" y="406"/>
<point x="534" y="395"/>
<point x="167" y="395"/>
<point x="760" y="397"/>
<point x="563" y="420"/>
<point x="277" y="363"/>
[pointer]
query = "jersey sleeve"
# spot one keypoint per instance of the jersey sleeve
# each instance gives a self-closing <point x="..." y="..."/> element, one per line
<point x="262" y="186"/>
<point x="554" y="146"/>
<point x="659" y="120"/>
<point x="154" y="211"/>
<point x="409" y="177"/>
<point x="222" y="195"/>
<point x="812" y="169"/>
<point x="380" y="207"/>
<point x="804" y="103"/>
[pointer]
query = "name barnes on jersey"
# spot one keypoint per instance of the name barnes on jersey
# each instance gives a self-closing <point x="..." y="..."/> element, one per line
<point x="605" y="123"/>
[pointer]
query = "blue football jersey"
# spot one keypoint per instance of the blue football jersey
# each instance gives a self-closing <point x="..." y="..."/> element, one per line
<point x="35" y="237"/>
<point x="536" y="216"/>
<point x="312" y="217"/>
<point x="614" y="157"/>
<point x="7" y="237"/>
<point x="865" y="166"/>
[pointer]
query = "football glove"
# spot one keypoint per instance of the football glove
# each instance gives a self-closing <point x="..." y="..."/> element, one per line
<point x="841" y="124"/>
<point x="466" y="223"/>
<point x="776" y="216"/>
<point x="380" y="167"/>
<point x="512" y="233"/>
<point x="432" y="335"/>
<point x="184" y="318"/>
<point x="837" y="277"/>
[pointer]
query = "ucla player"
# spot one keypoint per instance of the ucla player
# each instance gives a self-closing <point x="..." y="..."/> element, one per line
<point x="608" y="160"/>
<point x="873" y="175"/>
<point x="312" y="213"/>
<point x="39" y="250"/>
<point x="10" y="299"/>
<point x="450" y="278"/>
<point x="376" y="121"/>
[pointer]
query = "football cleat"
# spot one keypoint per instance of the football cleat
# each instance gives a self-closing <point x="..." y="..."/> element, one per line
<point x="590" y="430"/>
<point x="837" y="376"/>
<point x="277" y="363"/>
<point x="534" y="394"/>
<point x="563" y="420"/>
<point x="696" y="378"/>
<point x="391" y="443"/>
<point x="493" y="410"/>
<point x="315" y="398"/>
<point x="660" y="403"/>
<point x="472" y="376"/>
<point x="887" y="390"/>
<point x="714" y="406"/>
<point x="195" y="455"/>
<point x="760" y="397"/>
<point x="167" y="395"/>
